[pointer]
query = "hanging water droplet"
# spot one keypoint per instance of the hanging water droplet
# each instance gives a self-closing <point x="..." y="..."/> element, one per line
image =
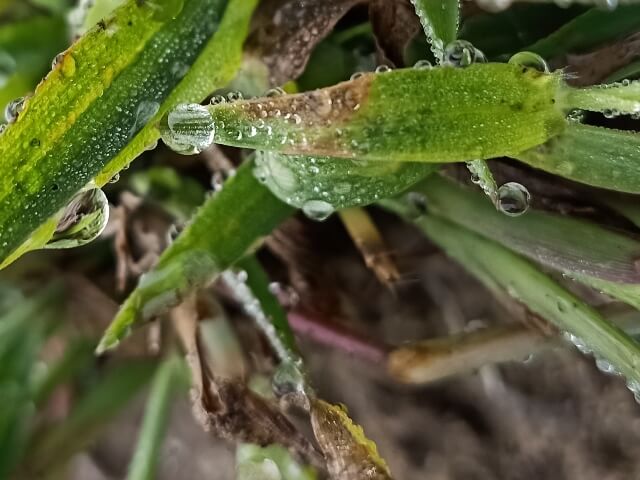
<point x="275" y="92"/>
<point x="461" y="53"/>
<point x="383" y="69"/>
<point x="356" y="75"/>
<point x="188" y="129"/>
<point x="513" y="199"/>
<point x="423" y="65"/>
<point x="7" y="67"/>
<point x="318" y="210"/>
<point x="83" y="220"/>
<point x="13" y="109"/>
<point x="576" y="115"/>
<point x="530" y="60"/>
<point x="115" y="178"/>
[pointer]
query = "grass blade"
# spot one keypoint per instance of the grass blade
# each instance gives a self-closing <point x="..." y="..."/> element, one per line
<point x="439" y="19"/>
<point x="575" y="247"/>
<point x="597" y="156"/>
<point x="86" y="119"/>
<point x="169" y="379"/>
<point x="504" y="271"/>
<point x="592" y="28"/>
<point x="208" y="246"/>
<point x="481" y="111"/>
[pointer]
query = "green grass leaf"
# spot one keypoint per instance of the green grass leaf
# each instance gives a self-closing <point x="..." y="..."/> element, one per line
<point x="170" y="378"/>
<point x="504" y="271"/>
<point x="424" y="115"/>
<point x="228" y="225"/>
<point x="597" y="156"/>
<point x="25" y="57"/>
<point x="96" y="111"/>
<point x="53" y="448"/>
<point x="439" y="19"/>
<point x="592" y="28"/>
<point x="593" y="255"/>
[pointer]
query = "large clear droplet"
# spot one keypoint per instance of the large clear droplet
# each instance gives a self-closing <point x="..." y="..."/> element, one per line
<point x="7" y="67"/>
<point x="317" y="210"/>
<point x="461" y="53"/>
<point x="530" y="60"/>
<point x="513" y="199"/>
<point x="83" y="220"/>
<point x="13" y="109"/>
<point x="188" y="129"/>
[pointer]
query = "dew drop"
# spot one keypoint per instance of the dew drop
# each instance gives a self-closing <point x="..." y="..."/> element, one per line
<point x="82" y="221"/>
<point x="423" y="65"/>
<point x="461" y="53"/>
<point x="530" y="60"/>
<point x="605" y="367"/>
<point x="513" y="199"/>
<point x="356" y="75"/>
<point x="13" y="109"/>
<point x="188" y="129"/>
<point x="235" y="96"/>
<point x="275" y="92"/>
<point x="317" y="210"/>
<point x="115" y="178"/>
<point x="383" y="69"/>
<point x="218" y="100"/>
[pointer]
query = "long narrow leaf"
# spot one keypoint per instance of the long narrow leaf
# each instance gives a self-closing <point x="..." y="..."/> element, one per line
<point x="229" y="224"/>
<point x="428" y="115"/>
<point x="504" y="271"/>
<point x="89" y="114"/>
<point x="597" y="156"/>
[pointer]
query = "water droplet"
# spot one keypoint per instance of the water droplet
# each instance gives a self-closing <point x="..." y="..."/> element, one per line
<point x="289" y="384"/>
<point x="163" y="10"/>
<point x="610" y="113"/>
<point x="530" y="60"/>
<point x="605" y="367"/>
<point x="7" y="67"/>
<point x="383" y="69"/>
<point x="318" y="210"/>
<point x="218" y="100"/>
<point x="577" y="342"/>
<point x="235" y="96"/>
<point x="188" y="129"/>
<point x="423" y="65"/>
<point x="461" y="53"/>
<point x="513" y="199"/>
<point x="82" y="221"/>
<point x="275" y="92"/>
<point x="34" y="143"/>
<point x="418" y="202"/>
<point x="356" y="75"/>
<point x="115" y="178"/>
<point x="13" y="109"/>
